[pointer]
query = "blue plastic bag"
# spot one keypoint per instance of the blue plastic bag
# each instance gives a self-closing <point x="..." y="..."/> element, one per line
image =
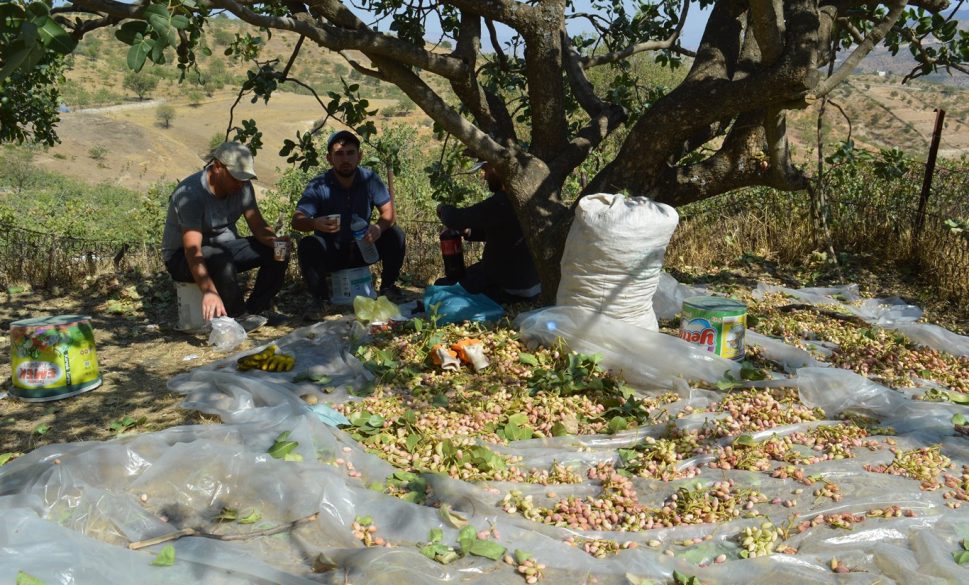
<point x="456" y="304"/>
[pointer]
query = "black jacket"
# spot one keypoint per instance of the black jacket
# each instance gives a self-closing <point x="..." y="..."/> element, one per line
<point x="506" y="261"/>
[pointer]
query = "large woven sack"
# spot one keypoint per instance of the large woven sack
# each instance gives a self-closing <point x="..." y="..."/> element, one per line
<point x="614" y="254"/>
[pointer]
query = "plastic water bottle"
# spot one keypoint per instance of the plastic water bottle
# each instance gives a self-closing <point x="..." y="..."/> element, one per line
<point x="359" y="228"/>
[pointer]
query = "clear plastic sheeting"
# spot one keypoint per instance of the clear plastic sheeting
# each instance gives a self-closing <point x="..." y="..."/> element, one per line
<point x="69" y="512"/>
<point x="890" y="313"/>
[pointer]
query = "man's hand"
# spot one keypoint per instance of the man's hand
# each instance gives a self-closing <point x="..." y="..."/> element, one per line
<point x="373" y="232"/>
<point x="327" y="224"/>
<point x="212" y="306"/>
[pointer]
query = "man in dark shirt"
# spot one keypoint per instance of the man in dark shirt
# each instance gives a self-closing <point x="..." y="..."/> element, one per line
<point x="327" y="207"/>
<point x="506" y="272"/>
<point x="201" y="244"/>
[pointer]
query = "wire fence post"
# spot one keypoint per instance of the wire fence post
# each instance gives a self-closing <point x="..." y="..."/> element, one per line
<point x="927" y="180"/>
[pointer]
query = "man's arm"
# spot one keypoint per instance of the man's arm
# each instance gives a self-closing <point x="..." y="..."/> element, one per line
<point x="258" y="226"/>
<point x="480" y="216"/>
<point x="211" y="301"/>
<point x="385" y="221"/>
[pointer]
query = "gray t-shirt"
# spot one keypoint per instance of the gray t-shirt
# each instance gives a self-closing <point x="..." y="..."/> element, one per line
<point x="193" y="206"/>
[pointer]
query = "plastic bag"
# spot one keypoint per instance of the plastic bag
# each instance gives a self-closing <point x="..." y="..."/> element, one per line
<point x="613" y="256"/>
<point x="455" y="304"/>
<point x="226" y="334"/>
<point x="374" y="311"/>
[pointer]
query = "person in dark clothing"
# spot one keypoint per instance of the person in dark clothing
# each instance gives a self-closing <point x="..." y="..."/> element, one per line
<point x="201" y="243"/>
<point x="327" y="207"/>
<point x="506" y="272"/>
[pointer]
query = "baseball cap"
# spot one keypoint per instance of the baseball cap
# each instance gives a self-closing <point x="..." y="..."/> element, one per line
<point x="344" y="136"/>
<point x="237" y="160"/>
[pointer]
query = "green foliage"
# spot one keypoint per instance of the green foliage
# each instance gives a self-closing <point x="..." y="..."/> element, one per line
<point x="32" y="46"/>
<point x="164" y="114"/>
<point x="17" y="167"/>
<point x="141" y="84"/>
<point x="97" y="152"/>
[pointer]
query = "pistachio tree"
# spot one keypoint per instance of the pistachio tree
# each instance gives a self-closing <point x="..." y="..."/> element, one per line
<point x="533" y="103"/>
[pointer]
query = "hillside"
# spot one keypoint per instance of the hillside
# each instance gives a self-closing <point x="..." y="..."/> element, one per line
<point x="111" y="135"/>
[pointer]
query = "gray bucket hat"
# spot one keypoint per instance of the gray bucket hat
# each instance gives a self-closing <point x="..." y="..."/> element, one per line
<point x="237" y="160"/>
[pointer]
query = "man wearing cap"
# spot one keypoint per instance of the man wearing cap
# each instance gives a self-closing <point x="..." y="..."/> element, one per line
<point x="201" y="243"/>
<point x="506" y="272"/>
<point x="327" y="207"/>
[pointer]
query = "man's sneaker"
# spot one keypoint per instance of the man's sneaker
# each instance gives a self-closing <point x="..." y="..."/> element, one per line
<point x="274" y="319"/>
<point x="392" y="292"/>
<point x="250" y="322"/>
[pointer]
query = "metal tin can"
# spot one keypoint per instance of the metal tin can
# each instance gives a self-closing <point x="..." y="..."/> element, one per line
<point x="52" y="357"/>
<point x="716" y="324"/>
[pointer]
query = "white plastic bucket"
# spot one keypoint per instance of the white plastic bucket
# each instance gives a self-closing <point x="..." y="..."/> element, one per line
<point x="346" y="285"/>
<point x="189" y="306"/>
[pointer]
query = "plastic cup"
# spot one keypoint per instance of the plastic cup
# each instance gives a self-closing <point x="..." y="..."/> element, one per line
<point x="280" y="250"/>
<point x="334" y="217"/>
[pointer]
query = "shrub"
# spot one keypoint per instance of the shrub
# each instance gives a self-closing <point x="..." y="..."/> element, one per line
<point x="165" y="114"/>
<point x="140" y="83"/>
<point x="97" y="152"/>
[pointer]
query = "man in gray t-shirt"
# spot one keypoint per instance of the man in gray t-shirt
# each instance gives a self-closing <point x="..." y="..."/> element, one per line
<point x="202" y="245"/>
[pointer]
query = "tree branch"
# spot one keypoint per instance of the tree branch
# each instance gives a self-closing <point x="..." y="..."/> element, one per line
<point x="543" y="70"/>
<point x="596" y="60"/>
<point x="352" y="35"/>
<point x="874" y="37"/>
<point x="140" y="544"/>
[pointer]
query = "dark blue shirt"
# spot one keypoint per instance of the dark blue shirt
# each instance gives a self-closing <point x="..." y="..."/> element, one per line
<point x="325" y="196"/>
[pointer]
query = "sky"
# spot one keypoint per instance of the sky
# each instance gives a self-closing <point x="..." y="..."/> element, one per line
<point x="692" y="32"/>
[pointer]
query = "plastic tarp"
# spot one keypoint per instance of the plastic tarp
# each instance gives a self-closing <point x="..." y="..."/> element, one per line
<point x="69" y="511"/>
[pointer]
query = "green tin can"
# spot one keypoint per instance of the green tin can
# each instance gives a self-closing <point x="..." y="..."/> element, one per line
<point x="53" y="357"/>
<point x="716" y="324"/>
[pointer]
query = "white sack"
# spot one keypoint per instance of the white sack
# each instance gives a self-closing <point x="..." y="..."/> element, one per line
<point x="613" y="256"/>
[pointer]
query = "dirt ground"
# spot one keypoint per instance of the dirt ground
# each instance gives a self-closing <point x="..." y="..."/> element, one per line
<point x="138" y="351"/>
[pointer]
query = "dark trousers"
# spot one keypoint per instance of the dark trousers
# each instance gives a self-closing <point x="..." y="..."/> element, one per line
<point x="224" y="261"/>
<point x="319" y="257"/>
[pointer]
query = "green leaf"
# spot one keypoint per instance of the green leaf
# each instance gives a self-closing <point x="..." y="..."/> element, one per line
<point x="617" y="424"/>
<point x="519" y="418"/>
<point x="745" y="441"/>
<point x="7" y="457"/>
<point x="961" y="557"/>
<point x="251" y="518"/>
<point x="282" y="448"/>
<point x="166" y="557"/>
<point x="159" y="18"/>
<point x="488" y="549"/>
<point x="965" y="544"/>
<point x="137" y="55"/>
<point x="227" y="515"/>
<point x="451" y="518"/>
<point x="436" y="535"/>
<point x="27" y="579"/>
<point x="411" y="442"/>
<point x="528" y="359"/>
<point x="54" y="37"/>
<point x="38" y="9"/>
<point x="42" y="429"/>
<point x="522" y="556"/>
<point x="466" y="538"/>
<point x="559" y="430"/>
<point x="15" y="60"/>
<point x="131" y="31"/>
<point x="959" y="419"/>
